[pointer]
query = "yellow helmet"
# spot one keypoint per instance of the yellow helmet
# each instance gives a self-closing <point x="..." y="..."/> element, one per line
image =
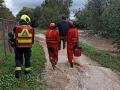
<point x="25" y="18"/>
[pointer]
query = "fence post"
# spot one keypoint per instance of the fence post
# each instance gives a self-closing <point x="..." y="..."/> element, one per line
<point x="3" y="27"/>
<point x="6" y="26"/>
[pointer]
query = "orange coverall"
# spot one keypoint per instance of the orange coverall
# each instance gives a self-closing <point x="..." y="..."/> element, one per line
<point x="52" y="41"/>
<point x="72" y="42"/>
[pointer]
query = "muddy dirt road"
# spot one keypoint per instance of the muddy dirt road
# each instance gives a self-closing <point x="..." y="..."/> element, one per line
<point x="88" y="75"/>
<point x="97" y="42"/>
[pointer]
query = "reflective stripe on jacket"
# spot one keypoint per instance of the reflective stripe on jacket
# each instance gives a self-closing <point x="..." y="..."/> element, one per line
<point x="52" y="37"/>
<point x="72" y="36"/>
<point x="24" y="35"/>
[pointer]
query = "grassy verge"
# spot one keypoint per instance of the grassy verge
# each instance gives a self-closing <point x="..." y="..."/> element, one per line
<point x="105" y="59"/>
<point x="33" y="81"/>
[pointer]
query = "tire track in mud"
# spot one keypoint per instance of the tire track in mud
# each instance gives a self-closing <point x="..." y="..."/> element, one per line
<point x="86" y="74"/>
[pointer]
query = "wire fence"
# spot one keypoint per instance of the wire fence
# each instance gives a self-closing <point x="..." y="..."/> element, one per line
<point x="6" y="26"/>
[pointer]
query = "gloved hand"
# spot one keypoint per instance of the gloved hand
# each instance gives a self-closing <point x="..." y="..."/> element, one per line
<point x="12" y="44"/>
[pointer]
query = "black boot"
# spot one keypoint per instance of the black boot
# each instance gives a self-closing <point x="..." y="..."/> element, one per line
<point x="53" y="64"/>
<point x="71" y="65"/>
<point x="17" y="73"/>
<point x="27" y="72"/>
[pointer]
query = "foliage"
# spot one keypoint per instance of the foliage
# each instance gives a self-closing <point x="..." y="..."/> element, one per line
<point x="50" y="10"/>
<point x="103" y="18"/>
<point x="111" y="18"/>
<point x="50" y="13"/>
<point x="81" y="15"/>
<point x="25" y="10"/>
<point x="29" y="12"/>
<point x="90" y="17"/>
<point x="4" y="11"/>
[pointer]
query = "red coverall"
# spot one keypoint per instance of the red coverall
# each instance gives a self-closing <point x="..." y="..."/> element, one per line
<point x="52" y="41"/>
<point x="72" y="41"/>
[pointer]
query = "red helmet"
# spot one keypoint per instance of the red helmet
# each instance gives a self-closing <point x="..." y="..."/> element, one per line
<point x="70" y="23"/>
<point x="52" y="25"/>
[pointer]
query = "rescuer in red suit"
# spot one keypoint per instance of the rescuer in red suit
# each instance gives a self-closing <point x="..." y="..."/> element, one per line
<point x="72" y="42"/>
<point x="52" y="41"/>
<point x="23" y="41"/>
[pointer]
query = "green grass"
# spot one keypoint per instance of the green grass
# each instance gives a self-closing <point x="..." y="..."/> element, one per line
<point x="105" y="59"/>
<point x="33" y="81"/>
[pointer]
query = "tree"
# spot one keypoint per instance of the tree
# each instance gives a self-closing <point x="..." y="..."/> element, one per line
<point x="5" y="12"/>
<point x="1" y="3"/>
<point x="91" y="17"/>
<point x="103" y="18"/>
<point x="81" y="16"/>
<point x="111" y="20"/>
<point x="51" y="10"/>
<point x="29" y="12"/>
<point x="25" y="10"/>
<point x="95" y="8"/>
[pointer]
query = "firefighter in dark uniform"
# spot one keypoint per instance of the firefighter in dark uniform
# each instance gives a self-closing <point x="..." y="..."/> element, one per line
<point x="63" y="28"/>
<point x="23" y="39"/>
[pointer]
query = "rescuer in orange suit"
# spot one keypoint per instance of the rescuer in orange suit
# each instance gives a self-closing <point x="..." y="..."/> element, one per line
<point x="72" y="42"/>
<point x="52" y="41"/>
<point x="23" y="41"/>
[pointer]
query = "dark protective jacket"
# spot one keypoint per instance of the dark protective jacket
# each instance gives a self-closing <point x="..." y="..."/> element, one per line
<point x="63" y="28"/>
<point x="11" y="39"/>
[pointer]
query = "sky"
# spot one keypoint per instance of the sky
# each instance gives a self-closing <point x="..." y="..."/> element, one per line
<point x="16" y="5"/>
<point x="76" y="5"/>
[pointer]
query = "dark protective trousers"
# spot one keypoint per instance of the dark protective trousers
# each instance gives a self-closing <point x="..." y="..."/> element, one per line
<point x="20" y="53"/>
<point x="63" y="39"/>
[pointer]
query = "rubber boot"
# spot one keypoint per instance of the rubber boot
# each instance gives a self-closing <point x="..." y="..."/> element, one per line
<point x="53" y="63"/>
<point x="27" y="72"/>
<point x="71" y="65"/>
<point x="17" y="73"/>
<point x="63" y="44"/>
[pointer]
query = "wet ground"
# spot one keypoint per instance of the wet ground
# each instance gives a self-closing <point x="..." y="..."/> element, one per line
<point x="86" y="74"/>
<point x="97" y="42"/>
